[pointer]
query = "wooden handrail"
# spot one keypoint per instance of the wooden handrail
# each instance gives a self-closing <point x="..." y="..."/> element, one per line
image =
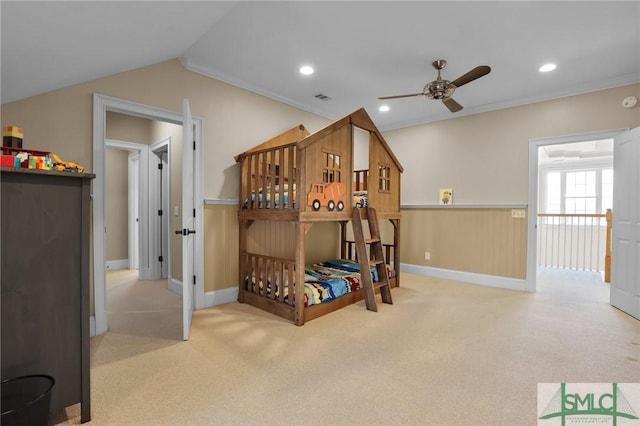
<point x="571" y="215"/>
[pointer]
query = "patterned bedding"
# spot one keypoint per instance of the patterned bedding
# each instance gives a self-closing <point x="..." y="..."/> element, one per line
<point x="267" y="197"/>
<point x="327" y="281"/>
<point x="360" y="199"/>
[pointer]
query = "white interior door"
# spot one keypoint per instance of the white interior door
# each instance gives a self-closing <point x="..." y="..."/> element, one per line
<point x="625" y="251"/>
<point x="188" y="220"/>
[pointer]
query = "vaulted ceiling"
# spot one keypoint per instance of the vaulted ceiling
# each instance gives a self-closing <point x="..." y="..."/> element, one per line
<point x="360" y="50"/>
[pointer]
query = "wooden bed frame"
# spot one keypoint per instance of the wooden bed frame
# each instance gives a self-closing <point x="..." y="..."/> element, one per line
<point x="297" y="179"/>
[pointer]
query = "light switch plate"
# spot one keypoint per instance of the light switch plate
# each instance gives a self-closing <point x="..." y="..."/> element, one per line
<point x="518" y="213"/>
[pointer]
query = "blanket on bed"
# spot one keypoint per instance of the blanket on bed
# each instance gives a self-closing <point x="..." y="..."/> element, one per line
<point x="326" y="281"/>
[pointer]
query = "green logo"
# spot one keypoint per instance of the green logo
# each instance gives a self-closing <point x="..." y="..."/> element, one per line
<point x="580" y="402"/>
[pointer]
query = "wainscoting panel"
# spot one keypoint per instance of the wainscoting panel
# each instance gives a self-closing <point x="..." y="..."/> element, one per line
<point x="220" y="246"/>
<point x="478" y="240"/>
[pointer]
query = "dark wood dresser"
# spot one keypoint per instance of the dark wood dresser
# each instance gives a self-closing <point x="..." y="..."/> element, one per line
<point x="45" y="280"/>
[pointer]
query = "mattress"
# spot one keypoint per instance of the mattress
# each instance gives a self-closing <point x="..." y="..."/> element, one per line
<point x="326" y="281"/>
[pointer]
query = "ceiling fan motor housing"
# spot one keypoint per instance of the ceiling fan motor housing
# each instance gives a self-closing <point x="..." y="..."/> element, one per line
<point x="439" y="89"/>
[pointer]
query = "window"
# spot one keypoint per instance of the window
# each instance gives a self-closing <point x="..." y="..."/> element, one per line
<point x="331" y="168"/>
<point x="384" y="178"/>
<point x="577" y="188"/>
<point x="581" y="192"/>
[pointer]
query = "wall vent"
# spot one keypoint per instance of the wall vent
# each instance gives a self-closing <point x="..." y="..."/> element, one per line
<point x="322" y="97"/>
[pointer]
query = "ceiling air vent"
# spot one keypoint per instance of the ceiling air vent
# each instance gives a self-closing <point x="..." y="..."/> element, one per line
<point x="322" y="97"/>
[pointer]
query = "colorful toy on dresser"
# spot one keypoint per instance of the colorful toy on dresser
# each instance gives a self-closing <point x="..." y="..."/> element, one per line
<point x="14" y="155"/>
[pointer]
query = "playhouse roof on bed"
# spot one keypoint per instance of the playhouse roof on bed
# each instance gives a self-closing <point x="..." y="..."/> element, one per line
<point x="301" y="136"/>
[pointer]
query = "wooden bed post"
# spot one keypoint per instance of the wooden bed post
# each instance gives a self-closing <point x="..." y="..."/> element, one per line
<point x="343" y="239"/>
<point x="244" y="226"/>
<point x="396" y="248"/>
<point x="301" y="231"/>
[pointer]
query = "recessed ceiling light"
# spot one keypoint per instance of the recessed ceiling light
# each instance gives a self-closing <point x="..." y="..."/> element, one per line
<point x="306" y="70"/>
<point x="383" y="108"/>
<point x="547" y="67"/>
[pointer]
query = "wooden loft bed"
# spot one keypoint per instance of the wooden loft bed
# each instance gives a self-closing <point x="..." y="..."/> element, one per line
<point x="294" y="180"/>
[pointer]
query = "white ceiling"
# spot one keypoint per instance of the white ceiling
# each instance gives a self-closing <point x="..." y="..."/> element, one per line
<point x="360" y="50"/>
<point x="602" y="148"/>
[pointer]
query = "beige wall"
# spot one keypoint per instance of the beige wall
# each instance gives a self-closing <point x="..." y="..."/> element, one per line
<point x="116" y="194"/>
<point x="127" y="128"/>
<point x="483" y="157"/>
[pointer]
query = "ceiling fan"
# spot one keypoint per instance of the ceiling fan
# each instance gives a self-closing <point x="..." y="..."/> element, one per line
<point x="443" y="89"/>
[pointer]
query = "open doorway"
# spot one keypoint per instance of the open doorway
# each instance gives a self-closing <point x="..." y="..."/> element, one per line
<point x="191" y="180"/>
<point x="570" y="190"/>
<point x="139" y="299"/>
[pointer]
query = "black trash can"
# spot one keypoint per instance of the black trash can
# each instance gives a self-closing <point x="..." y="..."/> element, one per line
<point x="26" y="400"/>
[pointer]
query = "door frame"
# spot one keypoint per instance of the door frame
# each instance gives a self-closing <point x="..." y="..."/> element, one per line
<point x="532" y="209"/>
<point x="134" y="210"/>
<point x="102" y="104"/>
<point x="164" y="222"/>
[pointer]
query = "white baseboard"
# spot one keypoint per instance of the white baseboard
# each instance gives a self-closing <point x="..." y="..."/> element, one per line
<point x="220" y="297"/>
<point x="467" y="277"/>
<point x="117" y="264"/>
<point x="211" y="298"/>
<point x="175" y="286"/>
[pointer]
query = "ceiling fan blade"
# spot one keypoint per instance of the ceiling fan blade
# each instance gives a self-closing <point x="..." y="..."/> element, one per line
<point x="400" y="96"/>
<point x="475" y="73"/>
<point x="452" y="105"/>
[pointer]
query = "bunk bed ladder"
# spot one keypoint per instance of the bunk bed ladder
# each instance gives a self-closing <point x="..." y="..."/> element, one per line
<point x="376" y="259"/>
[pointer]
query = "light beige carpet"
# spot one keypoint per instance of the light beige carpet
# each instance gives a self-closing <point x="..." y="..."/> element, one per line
<point x="446" y="353"/>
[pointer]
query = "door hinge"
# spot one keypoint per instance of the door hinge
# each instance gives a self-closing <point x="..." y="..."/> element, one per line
<point x="159" y="166"/>
<point x="194" y="145"/>
<point x="194" y="212"/>
<point x="160" y="258"/>
<point x="194" y="280"/>
<point x="159" y="212"/>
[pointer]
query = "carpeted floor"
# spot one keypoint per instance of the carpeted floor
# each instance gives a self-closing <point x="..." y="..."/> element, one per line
<point x="446" y="353"/>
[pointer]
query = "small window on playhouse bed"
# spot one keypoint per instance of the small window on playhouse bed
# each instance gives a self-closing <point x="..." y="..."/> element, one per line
<point x="331" y="168"/>
<point x="384" y="178"/>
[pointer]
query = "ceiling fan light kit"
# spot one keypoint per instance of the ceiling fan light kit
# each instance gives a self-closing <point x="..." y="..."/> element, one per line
<point x="441" y="89"/>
